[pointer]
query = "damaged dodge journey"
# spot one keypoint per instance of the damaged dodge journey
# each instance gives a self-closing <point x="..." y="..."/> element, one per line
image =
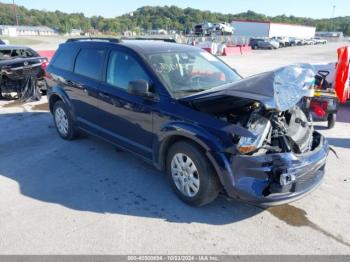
<point x="189" y="114"/>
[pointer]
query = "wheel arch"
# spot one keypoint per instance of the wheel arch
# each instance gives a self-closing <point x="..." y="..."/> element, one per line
<point x="52" y="101"/>
<point x="58" y="94"/>
<point x="203" y="141"/>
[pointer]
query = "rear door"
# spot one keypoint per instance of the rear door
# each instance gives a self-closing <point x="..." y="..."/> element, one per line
<point x="84" y="85"/>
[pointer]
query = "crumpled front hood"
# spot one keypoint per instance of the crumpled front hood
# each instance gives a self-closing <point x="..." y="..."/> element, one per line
<point x="279" y="90"/>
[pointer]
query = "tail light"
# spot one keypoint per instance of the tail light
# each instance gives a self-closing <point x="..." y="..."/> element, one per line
<point x="44" y="65"/>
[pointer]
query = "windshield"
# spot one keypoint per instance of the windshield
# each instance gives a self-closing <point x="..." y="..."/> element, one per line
<point x="191" y="72"/>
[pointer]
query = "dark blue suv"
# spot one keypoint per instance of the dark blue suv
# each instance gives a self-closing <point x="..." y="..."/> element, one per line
<point x="188" y="113"/>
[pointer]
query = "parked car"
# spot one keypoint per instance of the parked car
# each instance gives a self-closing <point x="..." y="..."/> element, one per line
<point x="295" y="41"/>
<point x="263" y="43"/>
<point x="283" y="41"/>
<point x="320" y="41"/>
<point x="303" y="42"/>
<point x="254" y="42"/>
<point x="309" y="41"/>
<point x="223" y="29"/>
<point x="203" y="29"/>
<point x="189" y="114"/>
<point x="22" y="71"/>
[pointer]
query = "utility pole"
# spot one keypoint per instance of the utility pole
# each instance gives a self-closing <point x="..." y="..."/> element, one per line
<point x="15" y="12"/>
<point x="333" y="16"/>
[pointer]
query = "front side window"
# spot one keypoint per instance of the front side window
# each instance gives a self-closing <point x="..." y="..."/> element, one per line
<point x="123" y="68"/>
<point x="89" y="63"/>
<point x="191" y="72"/>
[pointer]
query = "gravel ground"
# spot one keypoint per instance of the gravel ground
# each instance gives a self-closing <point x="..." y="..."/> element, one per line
<point x="85" y="197"/>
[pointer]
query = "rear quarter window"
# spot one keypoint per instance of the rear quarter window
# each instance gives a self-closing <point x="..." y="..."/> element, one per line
<point x="89" y="62"/>
<point x="64" y="58"/>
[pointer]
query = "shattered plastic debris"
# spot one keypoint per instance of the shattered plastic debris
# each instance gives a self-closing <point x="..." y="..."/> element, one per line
<point x="31" y="91"/>
<point x="24" y="82"/>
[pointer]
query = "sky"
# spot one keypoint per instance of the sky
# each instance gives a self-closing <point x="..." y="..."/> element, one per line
<point x="110" y="8"/>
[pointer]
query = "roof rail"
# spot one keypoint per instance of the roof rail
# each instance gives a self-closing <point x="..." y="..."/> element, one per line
<point x="169" y="40"/>
<point x="103" y="39"/>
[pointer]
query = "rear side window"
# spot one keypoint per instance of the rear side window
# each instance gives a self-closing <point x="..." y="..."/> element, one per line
<point x="64" y="58"/>
<point x="89" y="63"/>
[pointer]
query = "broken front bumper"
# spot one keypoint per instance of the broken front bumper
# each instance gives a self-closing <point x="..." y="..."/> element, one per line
<point x="276" y="179"/>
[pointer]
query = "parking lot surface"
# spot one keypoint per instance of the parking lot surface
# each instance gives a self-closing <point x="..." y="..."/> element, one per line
<point x="86" y="197"/>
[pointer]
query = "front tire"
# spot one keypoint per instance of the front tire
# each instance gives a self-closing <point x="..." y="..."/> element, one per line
<point x="63" y="121"/>
<point x="191" y="175"/>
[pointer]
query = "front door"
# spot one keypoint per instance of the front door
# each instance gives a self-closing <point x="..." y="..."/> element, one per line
<point x="126" y="118"/>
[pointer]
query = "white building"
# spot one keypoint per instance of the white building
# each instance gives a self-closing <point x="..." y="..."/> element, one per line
<point x="157" y="32"/>
<point x="129" y="33"/>
<point x="252" y="28"/>
<point x="75" y="32"/>
<point x="10" y="30"/>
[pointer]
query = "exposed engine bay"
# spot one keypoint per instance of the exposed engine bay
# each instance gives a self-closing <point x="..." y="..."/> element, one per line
<point x="276" y="132"/>
<point x="276" y="135"/>
<point x="268" y="105"/>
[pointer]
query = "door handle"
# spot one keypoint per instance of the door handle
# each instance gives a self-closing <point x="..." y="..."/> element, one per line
<point x="103" y="95"/>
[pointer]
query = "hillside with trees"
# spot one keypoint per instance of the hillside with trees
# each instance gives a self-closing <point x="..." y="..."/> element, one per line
<point x="147" y="17"/>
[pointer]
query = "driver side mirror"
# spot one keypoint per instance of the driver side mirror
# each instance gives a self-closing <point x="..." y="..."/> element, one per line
<point x="140" y="88"/>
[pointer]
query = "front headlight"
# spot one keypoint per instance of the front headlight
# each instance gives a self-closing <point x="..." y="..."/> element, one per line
<point x="261" y="127"/>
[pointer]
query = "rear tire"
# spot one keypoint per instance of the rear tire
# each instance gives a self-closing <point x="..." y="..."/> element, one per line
<point x="332" y="118"/>
<point x="64" y="123"/>
<point x="191" y="175"/>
